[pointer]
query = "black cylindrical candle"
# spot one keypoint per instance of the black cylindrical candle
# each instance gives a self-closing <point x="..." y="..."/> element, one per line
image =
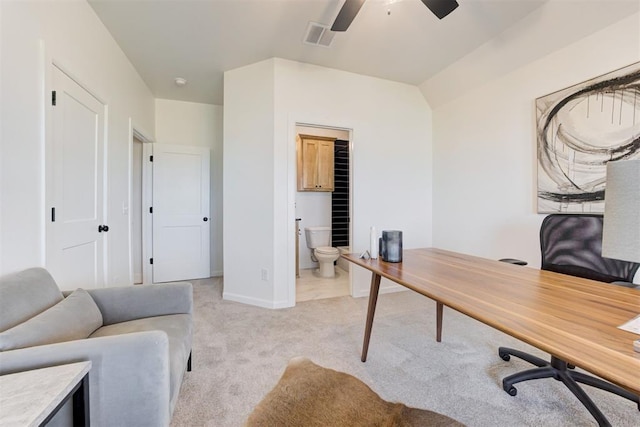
<point x="391" y="246"/>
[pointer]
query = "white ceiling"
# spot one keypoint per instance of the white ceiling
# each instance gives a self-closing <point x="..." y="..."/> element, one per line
<point x="199" y="40"/>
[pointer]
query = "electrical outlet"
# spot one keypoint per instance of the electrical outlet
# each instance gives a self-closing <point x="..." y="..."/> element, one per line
<point x="264" y="273"/>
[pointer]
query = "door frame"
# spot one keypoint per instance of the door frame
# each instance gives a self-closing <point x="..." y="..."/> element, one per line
<point x="326" y="123"/>
<point x="147" y="193"/>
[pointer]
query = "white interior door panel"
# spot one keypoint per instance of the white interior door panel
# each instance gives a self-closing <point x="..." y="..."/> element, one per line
<point x="75" y="190"/>
<point x="180" y="212"/>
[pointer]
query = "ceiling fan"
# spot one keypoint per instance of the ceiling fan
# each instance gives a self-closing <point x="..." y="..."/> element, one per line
<point x="350" y="8"/>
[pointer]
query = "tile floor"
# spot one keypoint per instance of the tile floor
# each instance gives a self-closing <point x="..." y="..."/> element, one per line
<point x="310" y="286"/>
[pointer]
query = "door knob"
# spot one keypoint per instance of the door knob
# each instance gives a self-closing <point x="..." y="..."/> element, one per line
<point x="102" y="228"/>
<point x="205" y="219"/>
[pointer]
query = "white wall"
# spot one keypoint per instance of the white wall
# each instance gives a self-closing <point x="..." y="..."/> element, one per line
<point x="248" y="156"/>
<point x="484" y="141"/>
<point x="32" y="34"/>
<point x="391" y="172"/>
<point x="391" y="137"/>
<point x="189" y="123"/>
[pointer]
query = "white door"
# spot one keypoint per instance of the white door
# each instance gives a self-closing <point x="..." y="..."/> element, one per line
<point x="181" y="220"/>
<point x="75" y="231"/>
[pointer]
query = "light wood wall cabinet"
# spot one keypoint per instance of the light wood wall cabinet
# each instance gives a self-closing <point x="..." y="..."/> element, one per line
<point x="315" y="163"/>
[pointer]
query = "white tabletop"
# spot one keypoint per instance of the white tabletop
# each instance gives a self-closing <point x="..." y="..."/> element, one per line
<point x="27" y="398"/>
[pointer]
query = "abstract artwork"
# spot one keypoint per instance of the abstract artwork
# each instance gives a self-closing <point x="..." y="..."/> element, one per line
<point x="579" y="130"/>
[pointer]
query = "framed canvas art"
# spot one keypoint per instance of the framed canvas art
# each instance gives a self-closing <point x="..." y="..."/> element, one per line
<point x="580" y="129"/>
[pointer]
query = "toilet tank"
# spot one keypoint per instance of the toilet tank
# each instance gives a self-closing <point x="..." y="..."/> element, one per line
<point x="317" y="236"/>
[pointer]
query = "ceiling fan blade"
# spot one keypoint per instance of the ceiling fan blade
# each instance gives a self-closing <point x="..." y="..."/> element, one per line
<point x="441" y="8"/>
<point x="348" y="12"/>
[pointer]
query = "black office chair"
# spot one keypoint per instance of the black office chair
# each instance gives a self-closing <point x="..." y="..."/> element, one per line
<point x="571" y="244"/>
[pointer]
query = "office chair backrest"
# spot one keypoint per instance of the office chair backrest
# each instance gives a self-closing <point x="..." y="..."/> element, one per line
<point x="572" y="244"/>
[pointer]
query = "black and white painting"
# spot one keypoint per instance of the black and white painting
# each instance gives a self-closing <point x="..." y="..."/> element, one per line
<point x="579" y="130"/>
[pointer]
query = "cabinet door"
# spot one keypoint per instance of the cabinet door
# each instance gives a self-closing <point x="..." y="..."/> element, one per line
<point x="315" y="163"/>
<point x="325" y="165"/>
<point x="310" y="164"/>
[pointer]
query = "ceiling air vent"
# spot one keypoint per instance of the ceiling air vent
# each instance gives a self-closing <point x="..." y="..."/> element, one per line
<point x="318" y="35"/>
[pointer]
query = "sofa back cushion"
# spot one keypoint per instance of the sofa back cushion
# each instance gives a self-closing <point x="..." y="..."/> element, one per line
<point x="25" y="294"/>
<point x="75" y="317"/>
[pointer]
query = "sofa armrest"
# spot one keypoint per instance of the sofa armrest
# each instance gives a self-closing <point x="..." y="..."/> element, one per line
<point x="121" y="304"/>
<point x="128" y="380"/>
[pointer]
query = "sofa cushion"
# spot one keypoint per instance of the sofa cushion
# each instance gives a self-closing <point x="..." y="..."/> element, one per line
<point x="178" y="329"/>
<point x="75" y="317"/>
<point x="25" y="294"/>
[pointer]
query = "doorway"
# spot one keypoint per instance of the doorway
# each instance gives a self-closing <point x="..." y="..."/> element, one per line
<point x="331" y="209"/>
<point x="169" y="216"/>
<point x="136" y="210"/>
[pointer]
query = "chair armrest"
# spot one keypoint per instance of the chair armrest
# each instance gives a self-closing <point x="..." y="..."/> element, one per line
<point x="626" y="284"/>
<point x="513" y="261"/>
<point x="128" y="380"/>
<point x="121" y="304"/>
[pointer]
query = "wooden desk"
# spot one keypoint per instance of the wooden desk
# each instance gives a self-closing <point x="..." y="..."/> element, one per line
<point x="573" y="319"/>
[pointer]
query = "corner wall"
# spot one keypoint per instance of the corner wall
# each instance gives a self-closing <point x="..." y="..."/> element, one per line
<point x="248" y="184"/>
<point x="391" y="138"/>
<point x="485" y="147"/>
<point x="392" y="163"/>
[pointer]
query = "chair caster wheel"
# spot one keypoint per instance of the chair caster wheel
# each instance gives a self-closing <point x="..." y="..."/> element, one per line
<point x="504" y="356"/>
<point x="512" y="391"/>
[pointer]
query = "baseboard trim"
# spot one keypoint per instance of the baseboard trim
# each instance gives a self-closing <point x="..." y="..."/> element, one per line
<point x="255" y="301"/>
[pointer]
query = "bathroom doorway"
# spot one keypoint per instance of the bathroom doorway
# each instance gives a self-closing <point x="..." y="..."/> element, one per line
<point x="330" y="211"/>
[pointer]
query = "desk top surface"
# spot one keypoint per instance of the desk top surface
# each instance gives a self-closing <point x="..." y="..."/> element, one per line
<point x="572" y="318"/>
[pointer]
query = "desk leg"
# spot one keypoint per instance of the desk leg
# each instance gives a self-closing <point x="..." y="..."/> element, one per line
<point x="81" y="404"/>
<point x="373" y="299"/>
<point x="439" y="307"/>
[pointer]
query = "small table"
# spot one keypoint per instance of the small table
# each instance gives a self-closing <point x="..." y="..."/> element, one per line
<point x="32" y="398"/>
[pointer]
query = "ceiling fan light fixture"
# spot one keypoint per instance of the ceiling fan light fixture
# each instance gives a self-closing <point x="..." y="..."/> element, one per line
<point x="441" y="8"/>
<point x="347" y="13"/>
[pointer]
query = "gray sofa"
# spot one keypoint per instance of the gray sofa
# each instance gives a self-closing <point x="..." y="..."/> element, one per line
<point x="138" y="339"/>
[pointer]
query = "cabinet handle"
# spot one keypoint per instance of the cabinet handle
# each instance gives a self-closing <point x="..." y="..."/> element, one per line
<point x="205" y="219"/>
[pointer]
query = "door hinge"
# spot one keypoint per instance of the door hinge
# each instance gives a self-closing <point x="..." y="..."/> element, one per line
<point x="150" y="260"/>
<point x="151" y="158"/>
<point x="53" y="97"/>
<point x="53" y="214"/>
<point x="151" y="209"/>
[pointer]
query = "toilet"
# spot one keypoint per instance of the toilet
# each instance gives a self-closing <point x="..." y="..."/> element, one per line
<point x="318" y="242"/>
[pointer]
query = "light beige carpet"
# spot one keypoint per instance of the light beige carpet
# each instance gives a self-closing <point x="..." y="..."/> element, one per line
<point x="241" y="351"/>
<point x="308" y="395"/>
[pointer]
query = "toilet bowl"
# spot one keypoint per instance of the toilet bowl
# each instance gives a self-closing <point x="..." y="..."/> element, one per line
<point x="326" y="255"/>
<point x="318" y="241"/>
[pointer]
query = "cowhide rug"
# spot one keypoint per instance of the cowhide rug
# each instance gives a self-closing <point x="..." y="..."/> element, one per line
<point x="309" y="395"/>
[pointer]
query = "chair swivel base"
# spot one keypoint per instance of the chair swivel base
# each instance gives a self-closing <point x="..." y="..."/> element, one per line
<point x="561" y="371"/>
